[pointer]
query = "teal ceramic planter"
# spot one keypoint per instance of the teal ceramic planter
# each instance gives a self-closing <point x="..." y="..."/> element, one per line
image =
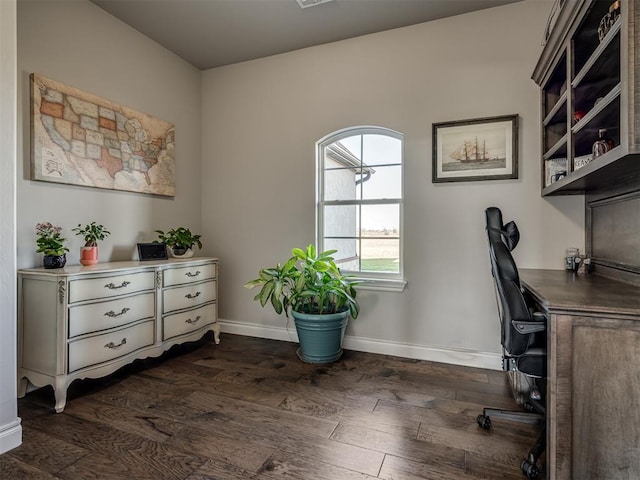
<point x="320" y="336"/>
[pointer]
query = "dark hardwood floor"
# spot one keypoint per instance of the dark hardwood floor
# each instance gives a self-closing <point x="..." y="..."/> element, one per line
<point x="249" y="409"/>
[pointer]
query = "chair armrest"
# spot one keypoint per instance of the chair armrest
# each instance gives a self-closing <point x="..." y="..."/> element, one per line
<point x="539" y="317"/>
<point x="527" y="327"/>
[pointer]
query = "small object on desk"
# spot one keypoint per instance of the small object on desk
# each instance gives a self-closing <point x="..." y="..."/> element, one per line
<point x="583" y="269"/>
<point x="576" y="263"/>
<point x="570" y="259"/>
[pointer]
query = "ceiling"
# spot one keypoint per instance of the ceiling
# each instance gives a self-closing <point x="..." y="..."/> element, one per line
<point x="212" y="33"/>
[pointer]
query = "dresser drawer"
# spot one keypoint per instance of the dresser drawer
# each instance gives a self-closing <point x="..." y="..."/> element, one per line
<point x="181" y="276"/>
<point x="108" y="346"/>
<point x="188" y="296"/>
<point x="185" y="322"/>
<point x="93" y="317"/>
<point x="104" y="287"/>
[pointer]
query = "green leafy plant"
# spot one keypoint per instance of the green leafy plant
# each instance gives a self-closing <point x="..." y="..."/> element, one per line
<point x="92" y="233"/>
<point x="179" y="238"/>
<point x="309" y="282"/>
<point x="50" y="240"/>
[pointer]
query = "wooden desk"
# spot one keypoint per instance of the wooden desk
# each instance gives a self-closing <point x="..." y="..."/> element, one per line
<point x="593" y="389"/>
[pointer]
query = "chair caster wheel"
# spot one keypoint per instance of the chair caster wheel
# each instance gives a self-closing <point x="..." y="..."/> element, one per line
<point x="484" y="422"/>
<point x="529" y="469"/>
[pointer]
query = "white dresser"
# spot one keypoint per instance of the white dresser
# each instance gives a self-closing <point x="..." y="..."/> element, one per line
<point x="86" y="322"/>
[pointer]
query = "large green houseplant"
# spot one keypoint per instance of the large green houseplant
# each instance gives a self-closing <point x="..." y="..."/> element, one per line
<point x="319" y="297"/>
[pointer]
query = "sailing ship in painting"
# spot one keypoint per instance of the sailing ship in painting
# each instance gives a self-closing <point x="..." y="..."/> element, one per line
<point x="473" y="154"/>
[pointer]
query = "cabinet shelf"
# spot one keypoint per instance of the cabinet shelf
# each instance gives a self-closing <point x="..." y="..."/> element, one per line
<point x="595" y="56"/>
<point x="556" y="108"/>
<point x="556" y="147"/>
<point x="600" y="76"/>
<point x="599" y="107"/>
<point x="608" y="170"/>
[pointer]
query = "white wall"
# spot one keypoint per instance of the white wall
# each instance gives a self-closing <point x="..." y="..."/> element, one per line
<point x="10" y="429"/>
<point x="79" y="44"/>
<point x="260" y="122"/>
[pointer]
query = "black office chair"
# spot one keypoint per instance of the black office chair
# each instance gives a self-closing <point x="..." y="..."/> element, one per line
<point x="523" y="338"/>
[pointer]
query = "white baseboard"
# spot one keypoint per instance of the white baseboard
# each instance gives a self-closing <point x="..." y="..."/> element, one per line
<point x="467" y="358"/>
<point x="10" y="436"/>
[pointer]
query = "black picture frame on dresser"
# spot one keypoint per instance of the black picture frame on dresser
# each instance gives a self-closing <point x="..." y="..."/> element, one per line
<point x="152" y="251"/>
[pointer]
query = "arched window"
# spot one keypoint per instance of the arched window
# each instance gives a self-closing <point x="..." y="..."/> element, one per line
<point x="359" y="199"/>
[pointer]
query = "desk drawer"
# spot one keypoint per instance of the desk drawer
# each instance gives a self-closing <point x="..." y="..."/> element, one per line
<point x="94" y="317"/>
<point x="108" y="346"/>
<point x="188" y="296"/>
<point x="185" y="322"/>
<point x="185" y="275"/>
<point x="104" y="287"/>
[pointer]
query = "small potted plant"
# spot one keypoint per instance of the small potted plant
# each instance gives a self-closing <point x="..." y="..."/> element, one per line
<point x="51" y="242"/>
<point x="319" y="297"/>
<point x="180" y="241"/>
<point x="92" y="233"/>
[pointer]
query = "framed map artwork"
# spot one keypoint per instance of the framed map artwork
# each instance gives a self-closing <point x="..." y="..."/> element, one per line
<point x="80" y="139"/>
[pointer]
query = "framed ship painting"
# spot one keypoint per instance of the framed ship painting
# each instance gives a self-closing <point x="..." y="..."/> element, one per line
<point x="478" y="149"/>
<point x="78" y="138"/>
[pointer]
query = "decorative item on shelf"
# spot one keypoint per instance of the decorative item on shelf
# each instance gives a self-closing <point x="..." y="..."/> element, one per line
<point x="559" y="176"/>
<point x="554" y="167"/>
<point x="180" y="241"/>
<point x="551" y="20"/>
<point x="603" y="144"/>
<point x="609" y="19"/>
<point x="581" y="161"/>
<point x="577" y="116"/>
<point x="51" y="242"/>
<point x="319" y="297"/>
<point x="92" y="233"/>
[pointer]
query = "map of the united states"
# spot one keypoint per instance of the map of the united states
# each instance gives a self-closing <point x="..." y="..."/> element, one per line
<point x="81" y="139"/>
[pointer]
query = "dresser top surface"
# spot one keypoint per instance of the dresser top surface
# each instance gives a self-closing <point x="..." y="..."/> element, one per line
<point x="562" y="291"/>
<point x="108" y="267"/>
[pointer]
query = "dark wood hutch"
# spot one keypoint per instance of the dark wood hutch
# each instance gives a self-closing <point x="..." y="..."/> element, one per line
<point x="589" y="76"/>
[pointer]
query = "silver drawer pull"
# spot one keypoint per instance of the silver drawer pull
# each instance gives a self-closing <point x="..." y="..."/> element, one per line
<point x="191" y="275"/>
<point x="113" y="314"/>
<point x="111" y="286"/>
<point x="188" y="295"/>
<point x="188" y="320"/>
<point x="112" y="345"/>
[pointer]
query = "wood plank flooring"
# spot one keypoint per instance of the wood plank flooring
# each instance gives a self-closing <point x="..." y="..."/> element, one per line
<point x="249" y="409"/>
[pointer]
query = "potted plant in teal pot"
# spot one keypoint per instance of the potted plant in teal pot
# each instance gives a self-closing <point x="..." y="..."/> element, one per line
<point x="92" y="234"/>
<point x="180" y="241"/>
<point x="319" y="297"/>
<point x="51" y="242"/>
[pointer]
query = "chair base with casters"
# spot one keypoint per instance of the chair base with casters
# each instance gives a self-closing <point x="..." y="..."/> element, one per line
<point x="534" y="414"/>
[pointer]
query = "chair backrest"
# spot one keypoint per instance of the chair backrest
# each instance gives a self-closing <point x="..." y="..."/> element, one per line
<point x="512" y="304"/>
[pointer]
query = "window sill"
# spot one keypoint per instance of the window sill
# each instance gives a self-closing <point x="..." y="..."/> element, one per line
<point x="382" y="284"/>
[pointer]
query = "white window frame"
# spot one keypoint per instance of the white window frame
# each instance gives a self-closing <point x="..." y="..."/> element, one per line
<point x="394" y="282"/>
